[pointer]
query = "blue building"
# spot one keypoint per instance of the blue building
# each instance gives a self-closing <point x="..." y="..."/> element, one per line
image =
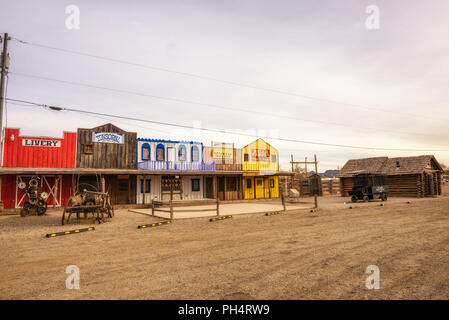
<point x="169" y="164"/>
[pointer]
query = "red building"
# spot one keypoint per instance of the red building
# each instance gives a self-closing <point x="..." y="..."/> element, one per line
<point x="31" y="153"/>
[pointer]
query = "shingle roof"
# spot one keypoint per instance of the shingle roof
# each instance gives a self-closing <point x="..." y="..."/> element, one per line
<point x="366" y="165"/>
<point x="390" y="166"/>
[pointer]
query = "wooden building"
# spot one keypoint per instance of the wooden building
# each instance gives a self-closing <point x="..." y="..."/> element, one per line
<point x="109" y="147"/>
<point x="227" y="182"/>
<point x="175" y="170"/>
<point x="31" y="153"/>
<point x="260" y="166"/>
<point x="417" y="176"/>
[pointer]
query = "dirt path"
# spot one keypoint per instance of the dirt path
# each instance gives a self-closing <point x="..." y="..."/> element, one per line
<point x="289" y="256"/>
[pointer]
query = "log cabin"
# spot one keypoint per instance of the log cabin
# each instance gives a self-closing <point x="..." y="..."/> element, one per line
<point x="416" y="176"/>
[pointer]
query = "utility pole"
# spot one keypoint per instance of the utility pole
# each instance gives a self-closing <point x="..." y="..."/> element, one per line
<point x="2" y="81"/>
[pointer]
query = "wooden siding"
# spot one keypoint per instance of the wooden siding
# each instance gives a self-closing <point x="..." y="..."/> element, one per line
<point x="17" y="155"/>
<point x="404" y="185"/>
<point x="10" y="189"/>
<point x="106" y="155"/>
<point x="263" y="191"/>
<point x="257" y="148"/>
<point x="224" y="164"/>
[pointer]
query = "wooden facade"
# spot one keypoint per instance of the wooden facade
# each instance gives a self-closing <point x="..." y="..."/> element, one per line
<point x="106" y="153"/>
<point x="37" y="152"/>
<point x="109" y="147"/>
<point x="260" y="161"/>
<point x="418" y="176"/>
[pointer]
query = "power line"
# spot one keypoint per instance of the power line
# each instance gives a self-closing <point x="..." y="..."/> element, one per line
<point x="57" y="108"/>
<point x="228" y="82"/>
<point x="234" y="109"/>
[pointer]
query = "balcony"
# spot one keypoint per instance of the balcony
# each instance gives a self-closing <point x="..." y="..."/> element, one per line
<point x="176" y="166"/>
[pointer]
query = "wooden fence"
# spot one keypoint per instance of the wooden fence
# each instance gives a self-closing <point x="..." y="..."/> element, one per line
<point x="168" y="207"/>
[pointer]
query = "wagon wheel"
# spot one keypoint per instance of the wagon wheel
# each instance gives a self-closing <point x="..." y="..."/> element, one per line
<point x="384" y="197"/>
<point x="63" y="216"/>
<point x="42" y="207"/>
<point x="110" y="210"/>
<point x="365" y="198"/>
<point x="354" y="198"/>
<point x="25" y="210"/>
<point x="85" y="186"/>
<point x="68" y="205"/>
<point x="100" y="215"/>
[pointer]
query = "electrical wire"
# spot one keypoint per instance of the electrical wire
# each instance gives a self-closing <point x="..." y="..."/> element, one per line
<point x="228" y="82"/>
<point x="228" y="108"/>
<point x="58" y="108"/>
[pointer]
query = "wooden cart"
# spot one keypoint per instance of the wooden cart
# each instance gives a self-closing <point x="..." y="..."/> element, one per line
<point x="96" y="204"/>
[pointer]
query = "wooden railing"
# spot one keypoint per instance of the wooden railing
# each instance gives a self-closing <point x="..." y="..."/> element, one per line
<point x="176" y="166"/>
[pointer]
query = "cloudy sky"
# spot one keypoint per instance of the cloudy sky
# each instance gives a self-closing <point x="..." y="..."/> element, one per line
<point x="314" y="71"/>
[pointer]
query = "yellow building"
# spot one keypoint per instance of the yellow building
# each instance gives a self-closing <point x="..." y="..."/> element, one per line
<point x="260" y="164"/>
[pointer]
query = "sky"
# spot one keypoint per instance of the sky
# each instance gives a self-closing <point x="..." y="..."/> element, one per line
<point x="298" y="70"/>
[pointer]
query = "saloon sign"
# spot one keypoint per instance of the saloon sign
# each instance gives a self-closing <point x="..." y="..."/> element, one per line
<point x="41" y="143"/>
<point x="107" y="137"/>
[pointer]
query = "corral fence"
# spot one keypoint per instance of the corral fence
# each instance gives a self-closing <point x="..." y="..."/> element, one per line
<point x="171" y="207"/>
<point x="327" y="186"/>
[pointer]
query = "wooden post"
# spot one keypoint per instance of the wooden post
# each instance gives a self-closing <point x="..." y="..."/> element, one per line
<point x="144" y="188"/>
<point x="291" y="180"/>
<point x="305" y="162"/>
<point x="56" y="191"/>
<point x="152" y="207"/>
<point x="171" y="210"/>
<point x="283" y="202"/>
<point x="316" y="172"/>
<point x="218" y="207"/>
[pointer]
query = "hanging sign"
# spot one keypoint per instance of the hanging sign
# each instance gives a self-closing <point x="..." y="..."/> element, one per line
<point x="222" y="152"/>
<point x="41" y="143"/>
<point x="107" y="137"/>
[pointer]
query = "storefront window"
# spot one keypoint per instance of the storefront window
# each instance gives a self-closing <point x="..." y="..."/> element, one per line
<point x="160" y="152"/>
<point x="231" y="184"/>
<point x="195" y="184"/>
<point x="147" y="186"/>
<point x="182" y="153"/>
<point x="145" y="151"/>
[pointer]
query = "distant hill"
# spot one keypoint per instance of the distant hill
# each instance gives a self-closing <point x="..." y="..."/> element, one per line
<point x="328" y="173"/>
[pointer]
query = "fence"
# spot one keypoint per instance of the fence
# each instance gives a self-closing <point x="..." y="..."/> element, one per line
<point x="329" y="186"/>
<point x="157" y="206"/>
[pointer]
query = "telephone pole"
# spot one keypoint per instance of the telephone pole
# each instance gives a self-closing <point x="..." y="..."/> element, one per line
<point x="2" y="80"/>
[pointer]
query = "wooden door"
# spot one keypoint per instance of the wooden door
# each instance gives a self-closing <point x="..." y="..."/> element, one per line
<point x="221" y="188"/>
<point x="123" y="191"/>
<point x="259" y="185"/>
<point x="170" y="154"/>
<point x="209" y="188"/>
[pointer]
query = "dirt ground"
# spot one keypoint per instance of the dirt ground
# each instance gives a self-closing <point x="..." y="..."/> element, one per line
<point x="296" y="255"/>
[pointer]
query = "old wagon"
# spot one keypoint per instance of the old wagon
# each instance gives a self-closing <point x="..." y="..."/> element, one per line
<point x="88" y="202"/>
<point x="369" y="187"/>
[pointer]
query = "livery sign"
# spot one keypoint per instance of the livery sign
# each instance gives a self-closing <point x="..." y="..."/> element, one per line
<point x="107" y="137"/>
<point x="41" y="143"/>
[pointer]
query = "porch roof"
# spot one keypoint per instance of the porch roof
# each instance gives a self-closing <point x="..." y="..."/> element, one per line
<point x="89" y="171"/>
